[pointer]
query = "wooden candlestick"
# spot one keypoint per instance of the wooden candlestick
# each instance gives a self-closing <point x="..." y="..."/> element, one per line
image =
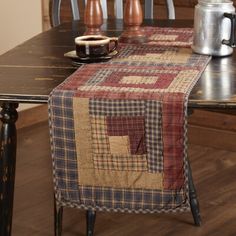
<point x="93" y="17"/>
<point x="133" y="18"/>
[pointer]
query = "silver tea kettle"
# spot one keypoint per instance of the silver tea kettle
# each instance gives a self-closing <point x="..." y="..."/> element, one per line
<point x="214" y="27"/>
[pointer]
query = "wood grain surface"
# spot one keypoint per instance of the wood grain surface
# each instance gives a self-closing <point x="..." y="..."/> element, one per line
<point x="214" y="177"/>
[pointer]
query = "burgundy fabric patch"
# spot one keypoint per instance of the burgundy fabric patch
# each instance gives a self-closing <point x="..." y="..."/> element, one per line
<point x="173" y="142"/>
<point x="132" y="127"/>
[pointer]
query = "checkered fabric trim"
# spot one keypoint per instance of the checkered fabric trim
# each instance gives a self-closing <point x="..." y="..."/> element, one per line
<point x="154" y="136"/>
<point x="104" y="107"/>
<point x="131" y="199"/>
<point x="99" y="135"/>
<point x="117" y="91"/>
<point x="68" y="203"/>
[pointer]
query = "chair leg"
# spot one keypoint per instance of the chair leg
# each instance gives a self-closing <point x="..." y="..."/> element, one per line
<point x="58" y="215"/>
<point x="193" y="199"/>
<point x="91" y="217"/>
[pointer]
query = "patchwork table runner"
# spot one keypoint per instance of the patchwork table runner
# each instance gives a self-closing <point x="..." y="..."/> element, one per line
<point x="118" y="129"/>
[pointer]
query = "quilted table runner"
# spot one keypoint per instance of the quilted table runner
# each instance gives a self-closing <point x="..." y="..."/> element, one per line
<point x="118" y="129"/>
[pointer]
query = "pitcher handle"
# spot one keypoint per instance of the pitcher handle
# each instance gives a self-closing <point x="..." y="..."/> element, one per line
<point x="231" y="41"/>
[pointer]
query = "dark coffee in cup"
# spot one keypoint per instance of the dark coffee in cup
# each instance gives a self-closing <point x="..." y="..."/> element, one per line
<point x="95" y="45"/>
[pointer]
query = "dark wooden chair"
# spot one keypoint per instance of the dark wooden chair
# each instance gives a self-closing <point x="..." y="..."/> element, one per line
<point x="118" y="10"/>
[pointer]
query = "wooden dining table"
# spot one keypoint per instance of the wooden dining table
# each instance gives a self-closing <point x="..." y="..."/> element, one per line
<point x="30" y="71"/>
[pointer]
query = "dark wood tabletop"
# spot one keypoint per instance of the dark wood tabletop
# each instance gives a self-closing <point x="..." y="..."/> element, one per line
<point x="29" y="72"/>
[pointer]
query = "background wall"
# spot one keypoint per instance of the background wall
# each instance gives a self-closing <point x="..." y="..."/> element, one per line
<point x="19" y="21"/>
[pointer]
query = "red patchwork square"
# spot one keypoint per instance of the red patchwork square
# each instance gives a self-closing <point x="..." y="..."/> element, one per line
<point x="133" y="127"/>
<point x="139" y="79"/>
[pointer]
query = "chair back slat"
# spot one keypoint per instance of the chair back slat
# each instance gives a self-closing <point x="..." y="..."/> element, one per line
<point x="55" y="12"/>
<point x="170" y="9"/>
<point x="118" y="10"/>
<point x="148" y="9"/>
<point x="104" y="8"/>
<point x="75" y="10"/>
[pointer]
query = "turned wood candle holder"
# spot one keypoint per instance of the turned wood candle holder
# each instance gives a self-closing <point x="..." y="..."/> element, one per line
<point x="93" y="17"/>
<point x="133" y="18"/>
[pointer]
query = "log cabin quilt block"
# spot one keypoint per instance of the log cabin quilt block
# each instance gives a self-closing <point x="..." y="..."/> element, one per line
<point x="118" y="129"/>
<point x="182" y="37"/>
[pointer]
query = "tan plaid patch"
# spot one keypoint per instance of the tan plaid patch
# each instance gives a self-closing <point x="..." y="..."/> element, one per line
<point x="180" y="57"/>
<point x="163" y="37"/>
<point x="99" y="135"/>
<point x="116" y="162"/>
<point x="139" y="80"/>
<point x="181" y="82"/>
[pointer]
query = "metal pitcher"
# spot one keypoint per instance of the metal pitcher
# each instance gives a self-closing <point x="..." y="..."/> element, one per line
<point x="214" y="27"/>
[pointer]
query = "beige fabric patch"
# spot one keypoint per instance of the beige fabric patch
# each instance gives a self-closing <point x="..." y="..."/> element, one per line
<point x="118" y="162"/>
<point x="181" y="82"/>
<point x="121" y="179"/>
<point x="163" y="37"/>
<point x="180" y="57"/>
<point x="82" y="134"/>
<point x="139" y="80"/>
<point x="119" y="145"/>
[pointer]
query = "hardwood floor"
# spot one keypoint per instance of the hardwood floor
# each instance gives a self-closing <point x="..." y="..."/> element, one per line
<point x="213" y="171"/>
